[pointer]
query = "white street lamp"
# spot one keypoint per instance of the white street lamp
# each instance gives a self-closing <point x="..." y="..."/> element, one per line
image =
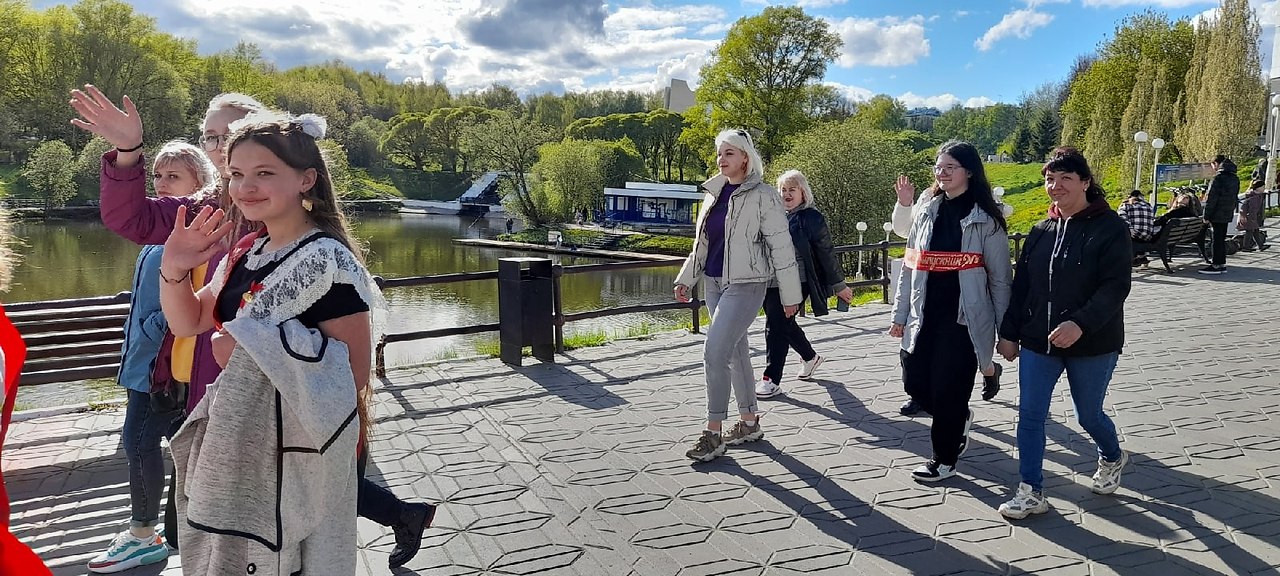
<point x="1156" y="144"/>
<point x="1271" y="152"/>
<point x="888" y="227"/>
<point x="862" y="227"/>
<point x="1141" y="138"/>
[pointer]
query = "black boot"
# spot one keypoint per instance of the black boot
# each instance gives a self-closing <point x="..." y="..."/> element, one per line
<point x="991" y="384"/>
<point x="414" y="520"/>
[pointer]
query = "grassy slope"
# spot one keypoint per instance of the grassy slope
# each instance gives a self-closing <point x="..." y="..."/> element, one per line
<point x="9" y="174"/>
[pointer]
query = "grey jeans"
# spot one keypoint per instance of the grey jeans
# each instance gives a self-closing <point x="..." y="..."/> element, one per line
<point x="726" y="357"/>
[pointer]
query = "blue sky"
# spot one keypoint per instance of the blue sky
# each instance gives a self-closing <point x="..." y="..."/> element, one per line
<point x="924" y="52"/>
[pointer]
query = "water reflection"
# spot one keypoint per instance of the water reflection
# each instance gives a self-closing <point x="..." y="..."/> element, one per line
<point x="81" y="259"/>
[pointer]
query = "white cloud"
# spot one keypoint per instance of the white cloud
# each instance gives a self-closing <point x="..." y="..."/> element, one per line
<point x="885" y="41"/>
<point x="944" y="102"/>
<point x="1155" y="3"/>
<point x="1019" y="24"/>
<point x="800" y="3"/>
<point x="852" y="93"/>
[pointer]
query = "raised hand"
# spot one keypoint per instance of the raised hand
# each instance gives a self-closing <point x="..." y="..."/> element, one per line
<point x="122" y="128"/>
<point x="906" y="191"/>
<point x="191" y="245"/>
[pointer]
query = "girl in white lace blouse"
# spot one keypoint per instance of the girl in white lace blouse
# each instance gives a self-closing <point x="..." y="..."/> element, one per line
<point x="266" y="463"/>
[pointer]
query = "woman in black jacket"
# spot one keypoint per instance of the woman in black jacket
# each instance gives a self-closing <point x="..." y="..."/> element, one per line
<point x="1067" y="313"/>
<point x="820" y="277"/>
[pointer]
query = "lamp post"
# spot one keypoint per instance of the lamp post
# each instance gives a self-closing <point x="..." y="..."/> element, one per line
<point x="888" y="227"/>
<point x="1271" y="151"/>
<point x="1141" y="138"/>
<point x="862" y="228"/>
<point x="1157" y="145"/>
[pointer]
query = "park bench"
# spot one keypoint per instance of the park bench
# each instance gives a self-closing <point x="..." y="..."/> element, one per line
<point x="1177" y="234"/>
<point x="69" y="340"/>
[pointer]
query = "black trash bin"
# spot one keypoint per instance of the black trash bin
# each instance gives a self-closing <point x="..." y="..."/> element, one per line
<point x="526" y="309"/>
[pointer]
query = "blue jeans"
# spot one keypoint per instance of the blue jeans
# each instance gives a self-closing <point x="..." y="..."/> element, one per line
<point x="1088" y="377"/>
<point x="142" y="432"/>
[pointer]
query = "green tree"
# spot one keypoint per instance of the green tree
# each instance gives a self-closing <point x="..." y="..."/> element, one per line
<point x="1226" y="115"/>
<point x="571" y="174"/>
<point x="362" y="142"/>
<point x="510" y="144"/>
<point x="759" y="76"/>
<point x="406" y="140"/>
<point x="1044" y="135"/>
<point x="882" y="112"/>
<point x="88" y="164"/>
<point x="335" y="158"/>
<point x="850" y="167"/>
<point x="51" y="173"/>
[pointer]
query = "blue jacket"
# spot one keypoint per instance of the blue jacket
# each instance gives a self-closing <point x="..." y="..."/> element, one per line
<point x="146" y="326"/>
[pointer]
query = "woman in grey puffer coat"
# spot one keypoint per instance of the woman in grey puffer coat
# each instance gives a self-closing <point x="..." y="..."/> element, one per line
<point x="952" y="293"/>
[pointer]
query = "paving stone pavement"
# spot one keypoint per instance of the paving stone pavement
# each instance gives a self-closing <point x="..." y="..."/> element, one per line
<point x="578" y="467"/>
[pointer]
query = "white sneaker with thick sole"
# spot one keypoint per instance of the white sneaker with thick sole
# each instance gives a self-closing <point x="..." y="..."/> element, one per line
<point x="1024" y="503"/>
<point x="806" y="369"/>
<point x="765" y="388"/>
<point x="1107" y="479"/>
<point x="127" y="551"/>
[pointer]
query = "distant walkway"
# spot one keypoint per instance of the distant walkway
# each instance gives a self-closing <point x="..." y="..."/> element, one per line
<point x="577" y="468"/>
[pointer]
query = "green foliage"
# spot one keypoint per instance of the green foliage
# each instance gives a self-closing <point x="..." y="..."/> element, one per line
<point x="571" y="174"/>
<point x="656" y="244"/>
<point x="1224" y="115"/>
<point x="882" y="112"/>
<point x="362" y="142"/>
<point x="335" y="158"/>
<point x="985" y="128"/>
<point x="852" y="170"/>
<point x="510" y="144"/>
<point x="88" y="165"/>
<point x="50" y="172"/>
<point x="759" y="76"/>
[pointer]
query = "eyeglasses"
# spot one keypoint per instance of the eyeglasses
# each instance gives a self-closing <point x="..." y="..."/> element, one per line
<point x="744" y="134"/>
<point x="211" y="142"/>
<point x="947" y="169"/>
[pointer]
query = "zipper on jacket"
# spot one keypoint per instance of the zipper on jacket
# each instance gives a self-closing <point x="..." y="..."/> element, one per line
<point x="1059" y="244"/>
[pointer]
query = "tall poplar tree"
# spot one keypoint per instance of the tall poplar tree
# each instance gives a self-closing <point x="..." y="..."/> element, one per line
<point x="1229" y="107"/>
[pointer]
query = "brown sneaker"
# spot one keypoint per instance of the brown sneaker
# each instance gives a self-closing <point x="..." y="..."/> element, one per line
<point x="742" y="433"/>
<point x="709" y="447"/>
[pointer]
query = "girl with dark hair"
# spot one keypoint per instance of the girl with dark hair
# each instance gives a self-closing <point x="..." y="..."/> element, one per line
<point x="1067" y="313"/>
<point x="952" y="293"/>
<point x="296" y="314"/>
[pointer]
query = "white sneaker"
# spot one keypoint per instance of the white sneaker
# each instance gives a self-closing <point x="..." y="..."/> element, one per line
<point x="765" y="388"/>
<point x="806" y="369"/>
<point x="127" y="551"/>
<point x="1025" y="503"/>
<point x="1107" y="479"/>
<point x="932" y="471"/>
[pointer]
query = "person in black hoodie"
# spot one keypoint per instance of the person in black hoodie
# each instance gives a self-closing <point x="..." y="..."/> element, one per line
<point x="1220" y="208"/>
<point x="1067" y="313"/>
<point x="820" y="277"/>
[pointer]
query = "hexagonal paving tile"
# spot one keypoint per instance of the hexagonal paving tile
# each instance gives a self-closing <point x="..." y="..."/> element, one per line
<point x="536" y="559"/>
<point x="1048" y="564"/>
<point x="723" y="567"/>
<point x="713" y="492"/>
<point x="633" y="504"/>
<point x="836" y="510"/>
<point x="602" y="476"/>
<point x="548" y="436"/>
<point x="454" y="448"/>
<point x="1242" y="416"/>
<point x="812" y="558"/>
<point x="671" y="536"/>
<point x="1148" y="430"/>
<point x="974" y="530"/>
<point x="530" y="419"/>
<point x="477" y="495"/>
<point x="645" y="446"/>
<point x="1196" y="423"/>
<point x="1196" y="539"/>
<point x="619" y="428"/>
<point x="856" y="471"/>
<point x="512" y="523"/>
<point x="574" y="454"/>
<point x="470" y="468"/>
<point x="896" y="543"/>
<point x="1122" y="554"/>
<point x="814" y="449"/>
<point x="909" y="498"/>
<point x="1210" y="451"/>
<point x="758" y="521"/>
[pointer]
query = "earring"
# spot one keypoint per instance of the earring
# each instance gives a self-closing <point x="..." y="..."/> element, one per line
<point x="307" y="204"/>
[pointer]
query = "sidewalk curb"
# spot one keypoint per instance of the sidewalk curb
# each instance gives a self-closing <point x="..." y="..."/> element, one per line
<point x="35" y="413"/>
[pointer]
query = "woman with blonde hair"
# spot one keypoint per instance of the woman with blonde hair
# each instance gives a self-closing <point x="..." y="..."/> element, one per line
<point x="741" y="243"/>
<point x="820" y="277"/>
<point x="180" y="170"/>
